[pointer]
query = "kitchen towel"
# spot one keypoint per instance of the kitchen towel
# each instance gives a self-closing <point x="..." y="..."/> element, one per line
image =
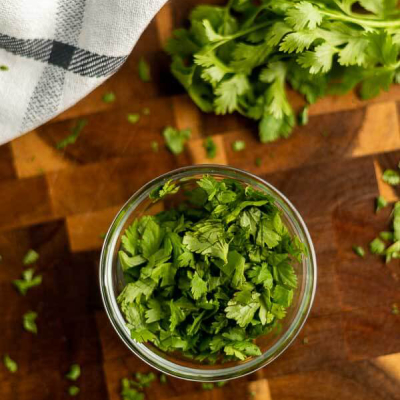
<point x="55" y="52"/>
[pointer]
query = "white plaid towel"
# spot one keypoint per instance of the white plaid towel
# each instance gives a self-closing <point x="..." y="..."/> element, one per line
<point x="54" y="52"/>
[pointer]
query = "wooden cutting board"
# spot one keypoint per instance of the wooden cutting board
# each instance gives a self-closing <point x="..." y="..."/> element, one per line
<point x="59" y="202"/>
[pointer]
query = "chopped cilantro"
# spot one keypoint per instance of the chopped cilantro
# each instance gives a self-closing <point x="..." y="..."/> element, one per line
<point x="359" y="251"/>
<point x="4" y="68"/>
<point x="381" y="203"/>
<point x="133" y="118"/>
<point x="305" y="340"/>
<point x="154" y="146"/>
<point x="258" y="162"/>
<point x="377" y="246"/>
<point x="74" y="372"/>
<point x="163" y="379"/>
<point x="75" y="132"/>
<point x="73" y="390"/>
<point x="209" y="279"/>
<point x="146" y="111"/>
<point x="128" y="392"/>
<point x="10" y="364"/>
<point x="28" y="321"/>
<point x="207" y="386"/>
<point x="176" y="139"/>
<point x="144" y="70"/>
<point x="395" y="309"/>
<point x="167" y="189"/>
<point x="391" y="177"/>
<point x="144" y="380"/>
<point x="238" y="145"/>
<point x="388" y="236"/>
<point x="303" y="116"/>
<point x="221" y="383"/>
<point x="30" y="257"/>
<point x="210" y="147"/>
<point x="109" y="97"/>
<point x="28" y="281"/>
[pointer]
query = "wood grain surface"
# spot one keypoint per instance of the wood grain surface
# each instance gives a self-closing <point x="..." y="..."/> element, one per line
<point x="59" y="202"/>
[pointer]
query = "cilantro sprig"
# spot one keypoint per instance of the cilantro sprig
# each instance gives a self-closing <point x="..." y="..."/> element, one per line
<point x="241" y="56"/>
<point x="208" y="277"/>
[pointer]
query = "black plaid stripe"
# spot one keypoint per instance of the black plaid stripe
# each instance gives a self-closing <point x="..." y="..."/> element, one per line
<point x="38" y="49"/>
<point x="64" y="55"/>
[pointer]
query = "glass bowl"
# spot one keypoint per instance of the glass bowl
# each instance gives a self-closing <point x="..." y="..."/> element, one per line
<point x="272" y="344"/>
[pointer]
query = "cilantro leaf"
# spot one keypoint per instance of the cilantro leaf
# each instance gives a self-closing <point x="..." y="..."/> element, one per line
<point x="238" y="145"/>
<point x="359" y="251"/>
<point x="176" y="139"/>
<point x="303" y="15"/>
<point x="10" y="364"/>
<point x="210" y="147"/>
<point x="30" y="257"/>
<point x="159" y="193"/>
<point x="144" y="70"/>
<point x="381" y="203"/>
<point x="28" y="281"/>
<point x="377" y="246"/>
<point x="109" y="97"/>
<point x="199" y="287"/>
<point x="391" y="177"/>
<point x="28" y="321"/>
<point x="74" y="372"/>
<point x="133" y="118"/>
<point x="73" y="390"/>
<point x="76" y="130"/>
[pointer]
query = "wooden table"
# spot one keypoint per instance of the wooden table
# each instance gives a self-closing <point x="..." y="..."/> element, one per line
<point x="59" y="202"/>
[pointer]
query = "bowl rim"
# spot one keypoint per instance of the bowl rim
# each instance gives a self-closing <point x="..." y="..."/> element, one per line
<point x="166" y="366"/>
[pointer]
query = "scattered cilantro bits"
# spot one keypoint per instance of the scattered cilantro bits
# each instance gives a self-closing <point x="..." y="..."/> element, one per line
<point x="73" y="391"/>
<point x="30" y="257"/>
<point x="258" y="161"/>
<point x="131" y="388"/>
<point x="377" y="246"/>
<point x="109" y="97"/>
<point x="175" y="139"/>
<point x="391" y="177"/>
<point x="133" y="118"/>
<point x="359" y="251"/>
<point x="4" y="68"/>
<point x="207" y="386"/>
<point x="238" y="145"/>
<point x="28" y="281"/>
<point x="154" y="146"/>
<point x="381" y="203"/>
<point x="74" y="372"/>
<point x="10" y="364"/>
<point x="303" y="116"/>
<point x="163" y="379"/>
<point x="75" y="132"/>
<point x="210" y="147"/>
<point x="239" y="57"/>
<point x="395" y="309"/>
<point x="29" y="322"/>
<point x="208" y="277"/>
<point x="144" y="70"/>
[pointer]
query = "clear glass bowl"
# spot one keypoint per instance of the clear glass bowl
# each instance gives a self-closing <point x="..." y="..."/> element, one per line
<point x="271" y="345"/>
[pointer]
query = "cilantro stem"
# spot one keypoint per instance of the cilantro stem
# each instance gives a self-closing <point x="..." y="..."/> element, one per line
<point x="361" y="20"/>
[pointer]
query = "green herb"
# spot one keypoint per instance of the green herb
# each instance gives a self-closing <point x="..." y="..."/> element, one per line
<point x="359" y="251"/>
<point x="258" y="162"/>
<point x="144" y="380"/>
<point x="28" y="321"/>
<point x="210" y="276"/>
<point x="238" y="145"/>
<point x="163" y="379"/>
<point x="128" y="392"/>
<point x="210" y="147"/>
<point x="154" y="146"/>
<point x="144" y="70"/>
<point x="75" y="132"/>
<point x="146" y="111"/>
<point x="109" y="97"/>
<point x="377" y="246"/>
<point x="305" y="340"/>
<point x="30" y="257"/>
<point x="176" y="139"/>
<point x="303" y="116"/>
<point x="395" y="309"/>
<point x="3" y="68"/>
<point x="74" y="372"/>
<point x="10" y="364"/>
<point x="221" y="383"/>
<point x="391" y="177"/>
<point x="381" y="203"/>
<point x="388" y="236"/>
<point x="167" y="189"/>
<point x="28" y="281"/>
<point x="73" y="390"/>
<point x="133" y="118"/>
<point x="207" y="386"/>
<point x="239" y="57"/>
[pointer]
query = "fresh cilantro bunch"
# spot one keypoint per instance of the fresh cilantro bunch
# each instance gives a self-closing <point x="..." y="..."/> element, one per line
<point x="240" y="57"/>
<point x="210" y="276"/>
